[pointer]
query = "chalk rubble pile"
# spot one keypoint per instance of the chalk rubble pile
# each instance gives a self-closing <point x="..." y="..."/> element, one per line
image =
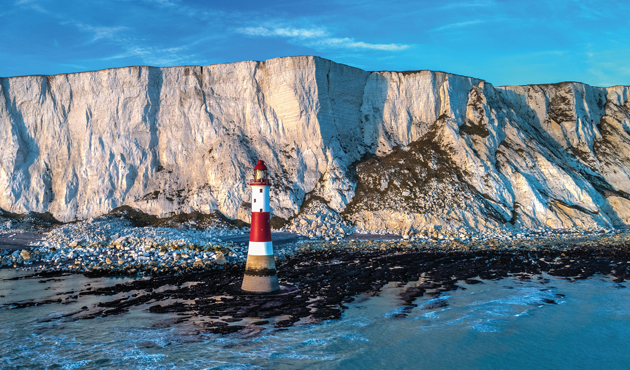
<point x="112" y="243"/>
<point x="318" y="221"/>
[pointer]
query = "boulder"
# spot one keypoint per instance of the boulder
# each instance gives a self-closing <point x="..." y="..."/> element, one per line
<point x="220" y="259"/>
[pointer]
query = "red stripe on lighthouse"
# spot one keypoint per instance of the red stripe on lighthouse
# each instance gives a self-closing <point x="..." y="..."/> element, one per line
<point x="260" y="228"/>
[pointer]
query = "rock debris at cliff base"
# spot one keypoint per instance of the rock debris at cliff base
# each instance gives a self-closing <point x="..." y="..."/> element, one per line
<point x="445" y="150"/>
<point x="113" y="245"/>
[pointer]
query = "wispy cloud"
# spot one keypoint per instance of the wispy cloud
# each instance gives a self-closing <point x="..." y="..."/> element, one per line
<point x="98" y="32"/>
<point x="165" y="3"/>
<point x="102" y="32"/>
<point x="283" y="32"/>
<point x="607" y="65"/>
<point x="193" y="12"/>
<point x="128" y="45"/>
<point x="468" y="4"/>
<point x="458" y="25"/>
<point x="590" y="13"/>
<point x="316" y="38"/>
<point x="349" y="43"/>
<point x="33" y="5"/>
<point x="156" y="55"/>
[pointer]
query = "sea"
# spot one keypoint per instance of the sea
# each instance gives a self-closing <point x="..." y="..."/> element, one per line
<point x="541" y="323"/>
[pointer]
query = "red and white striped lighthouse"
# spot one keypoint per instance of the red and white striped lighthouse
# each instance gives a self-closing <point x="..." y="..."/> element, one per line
<point x="260" y="270"/>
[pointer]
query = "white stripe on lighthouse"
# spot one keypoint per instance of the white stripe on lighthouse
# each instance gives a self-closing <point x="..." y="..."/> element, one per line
<point x="260" y="248"/>
<point x="260" y="200"/>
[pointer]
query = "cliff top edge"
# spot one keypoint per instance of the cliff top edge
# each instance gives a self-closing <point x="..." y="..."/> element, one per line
<point x="312" y="57"/>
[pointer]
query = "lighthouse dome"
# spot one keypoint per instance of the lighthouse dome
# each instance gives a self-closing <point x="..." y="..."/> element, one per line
<point x="260" y="165"/>
<point x="261" y="175"/>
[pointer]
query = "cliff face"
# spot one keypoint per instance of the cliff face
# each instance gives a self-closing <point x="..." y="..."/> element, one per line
<point x="385" y="149"/>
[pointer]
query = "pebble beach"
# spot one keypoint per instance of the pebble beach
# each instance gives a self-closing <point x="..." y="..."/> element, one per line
<point x="113" y="245"/>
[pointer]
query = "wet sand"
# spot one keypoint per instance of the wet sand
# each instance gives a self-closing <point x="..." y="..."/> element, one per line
<point x="284" y="238"/>
<point x="18" y="240"/>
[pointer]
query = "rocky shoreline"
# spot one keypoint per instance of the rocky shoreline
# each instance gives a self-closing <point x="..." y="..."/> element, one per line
<point x="195" y="272"/>
<point x="129" y="242"/>
<point x="325" y="279"/>
<point x="113" y="245"/>
<point x="159" y="251"/>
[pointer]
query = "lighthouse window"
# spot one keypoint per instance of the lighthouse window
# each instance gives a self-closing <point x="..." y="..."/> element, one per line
<point x="254" y="200"/>
<point x="261" y="190"/>
<point x="260" y="175"/>
<point x="261" y="210"/>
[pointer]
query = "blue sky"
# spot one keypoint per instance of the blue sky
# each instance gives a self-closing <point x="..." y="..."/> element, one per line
<point x="503" y="42"/>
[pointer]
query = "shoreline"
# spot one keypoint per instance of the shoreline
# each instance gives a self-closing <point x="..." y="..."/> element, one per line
<point x="139" y="257"/>
<point x="328" y="278"/>
<point x="196" y="273"/>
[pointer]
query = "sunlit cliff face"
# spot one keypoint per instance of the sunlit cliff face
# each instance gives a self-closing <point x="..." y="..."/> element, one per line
<point x="383" y="149"/>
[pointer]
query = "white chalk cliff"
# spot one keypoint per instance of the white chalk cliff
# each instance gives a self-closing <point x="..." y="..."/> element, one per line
<point x="384" y="149"/>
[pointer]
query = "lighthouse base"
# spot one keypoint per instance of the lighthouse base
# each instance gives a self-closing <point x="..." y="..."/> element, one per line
<point x="260" y="284"/>
<point x="260" y="274"/>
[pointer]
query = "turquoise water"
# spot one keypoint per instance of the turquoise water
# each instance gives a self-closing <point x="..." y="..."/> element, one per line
<point x="506" y="324"/>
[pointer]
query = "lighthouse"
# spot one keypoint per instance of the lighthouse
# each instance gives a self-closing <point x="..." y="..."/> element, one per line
<point x="260" y="270"/>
